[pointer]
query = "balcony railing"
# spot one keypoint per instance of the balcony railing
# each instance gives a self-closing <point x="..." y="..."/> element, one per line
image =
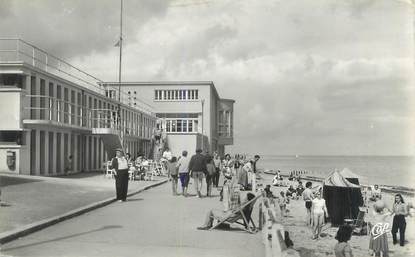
<point x="66" y="113"/>
<point x="16" y="50"/>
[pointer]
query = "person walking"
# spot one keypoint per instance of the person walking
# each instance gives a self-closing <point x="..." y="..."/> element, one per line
<point x="217" y="161"/>
<point x="120" y="166"/>
<point x="183" y="165"/>
<point x="172" y="172"/>
<point x="400" y="209"/>
<point x="197" y="168"/>
<point x="211" y="170"/>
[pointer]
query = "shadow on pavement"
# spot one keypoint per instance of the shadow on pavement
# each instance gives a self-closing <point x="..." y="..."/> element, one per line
<point x="9" y="181"/>
<point x="62" y="238"/>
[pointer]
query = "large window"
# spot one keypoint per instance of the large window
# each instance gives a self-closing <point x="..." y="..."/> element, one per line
<point x="181" y="125"/>
<point x="176" y="95"/>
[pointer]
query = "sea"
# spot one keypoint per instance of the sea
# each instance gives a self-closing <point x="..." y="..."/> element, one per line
<point x="383" y="170"/>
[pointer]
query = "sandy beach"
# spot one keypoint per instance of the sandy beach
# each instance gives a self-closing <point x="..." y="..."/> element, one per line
<point x="302" y="234"/>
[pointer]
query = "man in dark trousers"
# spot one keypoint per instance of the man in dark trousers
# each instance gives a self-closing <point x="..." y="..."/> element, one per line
<point x="197" y="168"/>
<point x="120" y="166"/>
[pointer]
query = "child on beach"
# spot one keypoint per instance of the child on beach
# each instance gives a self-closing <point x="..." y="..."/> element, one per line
<point x="172" y="172"/>
<point x="342" y="248"/>
<point x="282" y="200"/>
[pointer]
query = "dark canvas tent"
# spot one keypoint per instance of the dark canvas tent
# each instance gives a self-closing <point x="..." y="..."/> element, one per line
<point x="343" y="198"/>
<point x="350" y="176"/>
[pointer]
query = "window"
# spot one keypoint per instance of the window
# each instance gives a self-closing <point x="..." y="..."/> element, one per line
<point x="179" y="125"/>
<point x="156" y="94"/>
<point x="190" y="126"/>
<point x="196" y="94"/>
<point x="185" y="125"/>
<point x="129" y="92"/>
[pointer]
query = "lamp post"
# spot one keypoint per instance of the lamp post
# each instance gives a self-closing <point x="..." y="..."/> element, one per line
<point x="203" y="137"/>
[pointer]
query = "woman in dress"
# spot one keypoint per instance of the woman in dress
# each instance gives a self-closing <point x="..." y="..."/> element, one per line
<point x="378" y="244"/>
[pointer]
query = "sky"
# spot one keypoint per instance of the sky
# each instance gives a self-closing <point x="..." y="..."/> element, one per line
<point x="317" y="77"/>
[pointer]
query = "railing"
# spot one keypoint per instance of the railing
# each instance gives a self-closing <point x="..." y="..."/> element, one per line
<point x="17" y="50"/>
<point x="66" y="113"/>
<point x="273" y="233"/>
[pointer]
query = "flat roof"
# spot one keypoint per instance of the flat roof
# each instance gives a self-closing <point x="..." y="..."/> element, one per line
<point x="168" y="83"/>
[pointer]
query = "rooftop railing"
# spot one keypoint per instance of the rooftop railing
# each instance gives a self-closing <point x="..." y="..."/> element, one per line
<point x="17" y="50"/>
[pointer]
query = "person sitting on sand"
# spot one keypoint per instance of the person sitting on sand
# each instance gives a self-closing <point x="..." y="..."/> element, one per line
<point x="300" y="188"/>
<point x="268" y="192"/>
<point x="319" y="212"/>
<point x="291" y="192"/>
<point x="376" y="193"/>
<point x="342" y="248"/>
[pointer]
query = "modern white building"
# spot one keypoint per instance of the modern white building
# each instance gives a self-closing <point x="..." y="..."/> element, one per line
<point x="56" y="118"/>
<point x="191" y="113"/>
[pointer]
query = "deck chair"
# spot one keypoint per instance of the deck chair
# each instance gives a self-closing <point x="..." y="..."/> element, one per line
<point x="357" y="224"/>
<point x="243" y="213"/>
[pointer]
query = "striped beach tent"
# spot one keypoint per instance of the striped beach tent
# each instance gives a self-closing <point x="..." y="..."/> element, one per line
<point x="343" y="198"/>
<point x="350" y="176"/>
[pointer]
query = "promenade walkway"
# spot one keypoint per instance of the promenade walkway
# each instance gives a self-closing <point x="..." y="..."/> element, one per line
<point x="151" y="223"/>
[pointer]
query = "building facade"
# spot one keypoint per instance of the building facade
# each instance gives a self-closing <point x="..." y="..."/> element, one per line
<point x="56" y="118"/>
<point x="191" y="113"/>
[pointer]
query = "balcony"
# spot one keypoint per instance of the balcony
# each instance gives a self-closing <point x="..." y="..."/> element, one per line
<point x="16" y="51"/>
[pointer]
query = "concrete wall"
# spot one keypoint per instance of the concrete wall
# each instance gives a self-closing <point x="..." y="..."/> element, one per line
<point x="179" y="142"/>
<point x="10" y="108"/>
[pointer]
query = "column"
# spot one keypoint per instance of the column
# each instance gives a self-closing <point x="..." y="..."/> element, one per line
<point x="54" y="171"/>
<point x="37" y="154"/>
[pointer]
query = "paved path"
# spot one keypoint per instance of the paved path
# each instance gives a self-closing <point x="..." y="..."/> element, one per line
<point x="28" y="199"/>
<point x="152" y="223"/>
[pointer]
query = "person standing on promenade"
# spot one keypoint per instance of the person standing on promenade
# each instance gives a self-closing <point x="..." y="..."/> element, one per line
<point x="197" y="168"/>
<point x="217" y="161"/>
<point x="183" y="165"/>
<point x="172" y="172"/>
<point x="120" y="166"/>
<point x="400" y="209"/>
<point x="211" y="170"/>
<point x="319" y="211"/>
<point x="308" y="197"/>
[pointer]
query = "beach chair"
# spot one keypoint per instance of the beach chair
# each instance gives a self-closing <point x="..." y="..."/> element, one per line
<point x="358" y="223"/>
<point x="243" y="213"/>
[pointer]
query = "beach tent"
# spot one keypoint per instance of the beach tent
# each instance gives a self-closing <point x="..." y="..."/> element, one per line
<point x="350" y="176"/>
<point x="343" y="198"/>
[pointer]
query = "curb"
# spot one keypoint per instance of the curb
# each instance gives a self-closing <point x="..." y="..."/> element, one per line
<point x="11" y="235"/>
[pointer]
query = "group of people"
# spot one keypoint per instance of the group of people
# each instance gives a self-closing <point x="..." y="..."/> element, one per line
<point x="378" y="227"/>
<point x="207" y="167"/>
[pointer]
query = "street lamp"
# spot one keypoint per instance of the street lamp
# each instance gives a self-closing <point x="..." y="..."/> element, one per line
<point x="203" y="137"/>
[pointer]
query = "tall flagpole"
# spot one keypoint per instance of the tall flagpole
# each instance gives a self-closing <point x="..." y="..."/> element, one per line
<point x="120" y="43"/>
<point x="119" y="81"/>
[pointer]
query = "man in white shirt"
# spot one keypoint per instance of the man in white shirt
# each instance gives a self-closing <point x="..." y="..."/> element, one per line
<point x="183" y="165"/>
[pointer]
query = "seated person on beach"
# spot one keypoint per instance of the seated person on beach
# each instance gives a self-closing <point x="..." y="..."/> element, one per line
<point x="376" y="193"/>
<point x="300" y="188"/>
<point x="234" y="204"/>
<point x="268" y="192"/>
<point x="291" y="192"/>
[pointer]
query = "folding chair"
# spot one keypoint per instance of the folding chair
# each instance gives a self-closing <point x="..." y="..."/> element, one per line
<point x="243" y="213"/>
<point x="357" y="224"/>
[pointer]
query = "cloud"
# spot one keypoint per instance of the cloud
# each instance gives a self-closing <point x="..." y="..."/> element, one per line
<point x="308" y="77"/>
